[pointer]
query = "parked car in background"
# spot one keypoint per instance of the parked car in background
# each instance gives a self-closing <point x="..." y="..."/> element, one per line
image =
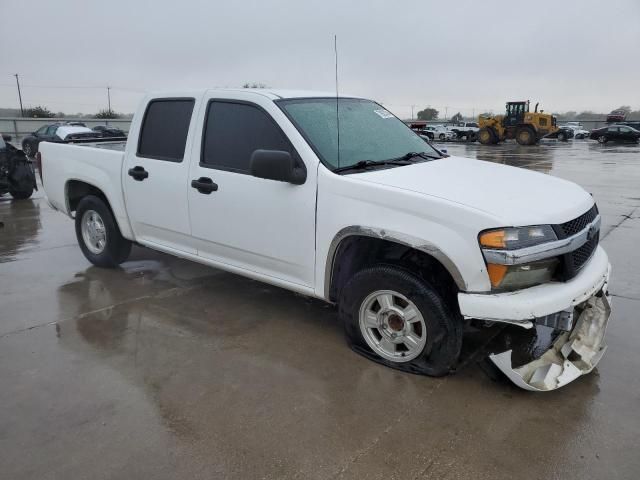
<point x="437" y="132"/>
<point x="616" y="133"/>
<point x="57" y="132"/>
<point x="466" y="130"/>
<point x="579" y="131"/>
<point x="16" y="172"/>
<point x="108" y="131"/>
<point x="616" y="116"/>
<point x="562" y="134"/>
<point x="632" y="124"/>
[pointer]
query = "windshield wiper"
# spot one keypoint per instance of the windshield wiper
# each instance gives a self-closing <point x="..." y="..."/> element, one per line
<point x="403" y="160"/>
<point x="363" y="164"/>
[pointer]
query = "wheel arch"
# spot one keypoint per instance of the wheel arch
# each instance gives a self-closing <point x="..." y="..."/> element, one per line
<point x="76" y="189"/>
<point x="357" y="246"/>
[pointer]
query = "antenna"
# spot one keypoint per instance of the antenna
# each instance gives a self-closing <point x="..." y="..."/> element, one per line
<point x="335" y="50"/>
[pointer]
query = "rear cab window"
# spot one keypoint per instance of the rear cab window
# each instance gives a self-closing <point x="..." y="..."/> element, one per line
<point x="165" y="127"/>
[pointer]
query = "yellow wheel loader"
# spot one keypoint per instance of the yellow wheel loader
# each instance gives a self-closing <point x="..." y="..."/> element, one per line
<point x="519" y="123"/>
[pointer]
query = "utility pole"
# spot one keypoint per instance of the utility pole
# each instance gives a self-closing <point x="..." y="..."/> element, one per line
<point x="109" y="98"/>
<point x="412" y="107"/>
<point x="19" y="95"/>
<point x="446" y="113"/>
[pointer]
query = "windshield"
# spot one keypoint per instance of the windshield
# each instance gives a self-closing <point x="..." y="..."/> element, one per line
<point x="367" y="130"/>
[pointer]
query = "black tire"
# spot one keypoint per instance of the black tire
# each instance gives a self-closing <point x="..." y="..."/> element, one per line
<point x="525" y="136"/>
<point x="116" y="249"/>
<point x="562" y="136"/>
<point x="471" y="136"/>
<point x="21" y="194"/>
<point x="444" y="329"/>
<point x="602" y="139"/>
<point x="442" y="137"/>
<point x="486" y="136"/>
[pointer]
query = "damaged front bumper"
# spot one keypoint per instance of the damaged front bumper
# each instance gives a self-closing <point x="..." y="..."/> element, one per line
<point x="581" y="306"/>
<point x="572" y="354"/>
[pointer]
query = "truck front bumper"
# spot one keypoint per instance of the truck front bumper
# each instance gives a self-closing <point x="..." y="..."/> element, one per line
<point x="573" y="353"/>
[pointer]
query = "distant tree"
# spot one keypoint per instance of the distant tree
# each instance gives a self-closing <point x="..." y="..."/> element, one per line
<point x="625" y="108"/>
<point x="254" y="85"/>
<point x="428" y="114"/>
<point x="106" y="114"/>
<point x="39" y="112"/>
<point x="486" y="114"/>
<point x="456" y="118"/>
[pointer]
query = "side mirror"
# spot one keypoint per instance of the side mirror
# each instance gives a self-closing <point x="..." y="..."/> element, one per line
<point x="277" y="165"/>
<point x="6" y="138"/>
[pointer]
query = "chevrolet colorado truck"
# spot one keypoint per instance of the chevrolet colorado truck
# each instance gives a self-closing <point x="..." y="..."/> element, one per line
<point x="338" y="199"/>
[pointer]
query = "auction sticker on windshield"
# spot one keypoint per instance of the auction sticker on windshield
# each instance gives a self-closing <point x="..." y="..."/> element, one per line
<point x="383" y="113"/>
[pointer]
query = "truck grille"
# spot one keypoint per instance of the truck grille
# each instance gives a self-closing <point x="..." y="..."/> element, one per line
<point x="572" y="262"/>
<point x="572" y="227"/>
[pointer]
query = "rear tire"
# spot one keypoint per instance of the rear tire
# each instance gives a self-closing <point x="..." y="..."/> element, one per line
<point x="442" y="137"/>
<point x="525" y="136"/>
<point x="98" y="234"/>
<point x="397" y="319"/>
<point x="21" y="194"/>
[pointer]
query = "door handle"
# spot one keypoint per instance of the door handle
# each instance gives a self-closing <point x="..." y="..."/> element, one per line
<point x="138" y="173"/>
<point x="204" y="185"/>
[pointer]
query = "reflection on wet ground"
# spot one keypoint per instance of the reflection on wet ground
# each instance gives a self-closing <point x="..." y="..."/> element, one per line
<point x="169" y="369"/>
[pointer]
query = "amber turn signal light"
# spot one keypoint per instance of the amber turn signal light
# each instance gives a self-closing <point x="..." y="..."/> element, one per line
<point x="493" y="239"/>
<point x="496" y="273"/>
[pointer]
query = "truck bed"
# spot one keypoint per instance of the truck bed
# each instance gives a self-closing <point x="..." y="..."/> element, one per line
<point x="94" y="163"/>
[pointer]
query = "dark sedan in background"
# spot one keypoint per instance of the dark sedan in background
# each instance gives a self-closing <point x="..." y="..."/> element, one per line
<point x="615" y="133"/>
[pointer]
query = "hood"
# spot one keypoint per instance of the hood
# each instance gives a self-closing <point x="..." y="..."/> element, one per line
<point x="515" y="196"/>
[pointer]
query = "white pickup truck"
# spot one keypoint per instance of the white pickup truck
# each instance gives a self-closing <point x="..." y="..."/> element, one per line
<point x="339" y="200"/>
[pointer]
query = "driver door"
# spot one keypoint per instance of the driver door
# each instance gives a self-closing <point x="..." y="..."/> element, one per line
<point x="262" y="226"/>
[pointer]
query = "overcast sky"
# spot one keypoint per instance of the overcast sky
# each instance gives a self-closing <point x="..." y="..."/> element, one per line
<point x="468" y="55"/>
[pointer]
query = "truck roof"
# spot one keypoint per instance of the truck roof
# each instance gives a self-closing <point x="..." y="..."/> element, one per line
<point x="273" y="94"/>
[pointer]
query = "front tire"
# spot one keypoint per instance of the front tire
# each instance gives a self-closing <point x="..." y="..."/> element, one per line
<point x="442" y="137"/>
<point x="486" y="136"/>
<point x="397" y="319"/>
<point x="98" y="234"/>
<point x="602" y="139"/>
<point x="562" y="136"/>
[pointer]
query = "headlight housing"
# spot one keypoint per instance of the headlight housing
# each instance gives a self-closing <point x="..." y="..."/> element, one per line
<point x="514" y="277"/>
<point x="513" y="238"/>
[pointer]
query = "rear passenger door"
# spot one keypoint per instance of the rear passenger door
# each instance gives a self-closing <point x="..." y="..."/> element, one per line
<point x="156" y="172"/>
<point x="258" y="225"/>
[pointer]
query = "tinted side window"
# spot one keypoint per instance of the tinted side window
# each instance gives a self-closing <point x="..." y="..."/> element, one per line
<point x="164" y="129"/>
<point x="233" y="131"/>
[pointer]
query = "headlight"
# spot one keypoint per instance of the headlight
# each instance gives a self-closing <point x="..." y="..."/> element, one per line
<point x="513" y="277"/>
<point x="517" y="237"/>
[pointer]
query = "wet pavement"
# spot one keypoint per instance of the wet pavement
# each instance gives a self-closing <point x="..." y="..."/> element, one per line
<point x="169" y="369"/>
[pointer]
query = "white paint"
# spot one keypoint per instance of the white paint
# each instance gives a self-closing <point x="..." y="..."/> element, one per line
<point x="65" y="130"/>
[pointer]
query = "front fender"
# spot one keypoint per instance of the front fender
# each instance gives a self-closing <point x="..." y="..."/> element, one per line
<point x="397" y="237"/>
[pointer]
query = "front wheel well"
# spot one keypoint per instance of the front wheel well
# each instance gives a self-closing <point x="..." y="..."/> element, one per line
<point x="356" y="253"/>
